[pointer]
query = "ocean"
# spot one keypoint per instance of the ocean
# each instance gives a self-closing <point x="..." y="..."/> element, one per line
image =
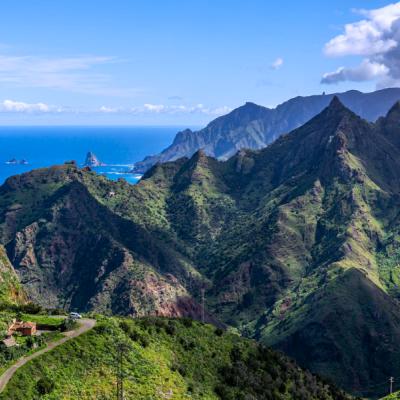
<point x="117" y="147"/>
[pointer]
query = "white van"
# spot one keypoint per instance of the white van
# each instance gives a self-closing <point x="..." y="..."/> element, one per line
<point x="75" y="315"/>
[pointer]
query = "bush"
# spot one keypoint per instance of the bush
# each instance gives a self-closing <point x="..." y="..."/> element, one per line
<point x="170" y="328"/>
<point x="125" y="326"/>
<point x="30" y="342"/>
<point x="67" y="325"/>
<point x="219" y="332"/>
<point x="44" y="386"/>
<point x="31" y="308"/>
<point x="56" y="311"/>
<point x="188" y="322"/>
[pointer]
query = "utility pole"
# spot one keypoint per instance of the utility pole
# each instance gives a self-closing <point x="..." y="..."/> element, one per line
<point x="202" y="304"/>
<point x="391" y="380"/>
<point x="120" y="376"/>
<point x="122" y="350"/>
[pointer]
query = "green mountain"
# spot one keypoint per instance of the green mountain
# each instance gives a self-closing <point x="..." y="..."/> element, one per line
<point x="252" y="126"/>
<point x="72" y="251"/>
<point x="165" y="359"/>
<point x="296" y="245"/>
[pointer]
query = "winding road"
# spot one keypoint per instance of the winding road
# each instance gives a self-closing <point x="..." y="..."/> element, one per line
<point x="85" y="325"/>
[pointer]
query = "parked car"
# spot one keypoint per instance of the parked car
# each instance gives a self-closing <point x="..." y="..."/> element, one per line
<point x="75" y="315"/>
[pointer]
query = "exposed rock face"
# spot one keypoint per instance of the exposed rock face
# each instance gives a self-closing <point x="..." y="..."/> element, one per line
<point x="297" y="244"/>
<point x="92" y="160"/>
<point x="254" y="127"/>
<point x="11" y="291"/>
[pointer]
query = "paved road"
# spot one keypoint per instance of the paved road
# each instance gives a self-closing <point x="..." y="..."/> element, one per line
<point x="84" y="326"/>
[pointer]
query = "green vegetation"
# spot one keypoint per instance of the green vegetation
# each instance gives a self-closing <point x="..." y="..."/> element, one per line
<point x="296" y="245"/>
<point x="11" y="292"/>
<point x="26" y="345"/>
<point x="46" y="320"/>
<point x="165" y="358"/>
<point x="394" y="396"/>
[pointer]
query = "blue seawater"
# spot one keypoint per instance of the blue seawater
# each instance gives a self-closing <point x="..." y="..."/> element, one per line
<point x="118" y="147"/>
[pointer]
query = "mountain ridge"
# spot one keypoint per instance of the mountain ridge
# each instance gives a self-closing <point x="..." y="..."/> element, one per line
<point x="254" y="127"/>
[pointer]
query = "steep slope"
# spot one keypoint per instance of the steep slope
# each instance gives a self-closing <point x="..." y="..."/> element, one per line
<point x="289" y="226"/>
<point x="254" y="127"/>
<point x="71" y="251"/>
<point x="295" y="245"/>
<point x="11" y="291"/>
<point x="165" y="359"/>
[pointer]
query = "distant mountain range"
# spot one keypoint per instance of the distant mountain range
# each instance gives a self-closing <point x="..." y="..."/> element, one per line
<point x="254" y="127"/>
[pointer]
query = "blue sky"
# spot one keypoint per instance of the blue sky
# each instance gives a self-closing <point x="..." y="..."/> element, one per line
<point x="181" y="62"/>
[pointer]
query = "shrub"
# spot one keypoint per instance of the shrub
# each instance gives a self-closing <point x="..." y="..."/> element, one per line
<point x="125" y="326"/>
<point x="31" y="308"/>
<point x="219" y="332"/>
<point x="30" y="342"/>
<point x="44" y="385"/>
<point x="170" y="328"/>
<point x="67" y="325"/>
<point x="188" y="322"/>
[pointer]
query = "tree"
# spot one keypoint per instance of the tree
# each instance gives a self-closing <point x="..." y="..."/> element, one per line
<point x="45" y="385"/>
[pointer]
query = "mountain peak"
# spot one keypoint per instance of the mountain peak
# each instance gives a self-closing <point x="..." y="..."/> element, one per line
<point x="336" y="104"/>
<point x="337" y="110"/>
<point x="251" y="104"/>
<point x="394" y="113"/>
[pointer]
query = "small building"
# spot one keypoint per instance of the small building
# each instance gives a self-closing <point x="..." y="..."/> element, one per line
<point x="25" y="328"/>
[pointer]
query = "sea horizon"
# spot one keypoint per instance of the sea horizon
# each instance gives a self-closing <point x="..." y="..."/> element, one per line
<point x="118" y="147"/>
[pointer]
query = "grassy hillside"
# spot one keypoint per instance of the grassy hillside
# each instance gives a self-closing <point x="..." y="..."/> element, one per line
<point x="165" y="359"/>
<point x="394" y="396"/>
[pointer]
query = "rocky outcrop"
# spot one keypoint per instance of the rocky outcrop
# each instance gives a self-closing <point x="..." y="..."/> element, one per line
<point x="92" y="161"/>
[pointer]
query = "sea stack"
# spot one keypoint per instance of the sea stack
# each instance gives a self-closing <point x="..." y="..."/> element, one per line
<point x="92" y="160"/>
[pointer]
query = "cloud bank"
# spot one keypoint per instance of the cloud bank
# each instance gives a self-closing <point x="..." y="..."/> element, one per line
<point x="19" y="106"/>
<point x="376" y="39"/>
<point x="149" y="108"/>
<point x="13" y="106"/>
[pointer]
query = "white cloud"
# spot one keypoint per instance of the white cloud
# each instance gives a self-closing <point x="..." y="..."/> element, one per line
<point x="220" y="110"/>
<point x="12" y="106"/>
<point x="277" y="64"/>
<point x="377" y="39"/>
<point x="75" y="74"/>
<point x="19" y="106"/>
<point x="367" y="70"/>
<point x="108" y="110"/>
<point x="156" y="108"/>
<point x="181" y="109"/>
